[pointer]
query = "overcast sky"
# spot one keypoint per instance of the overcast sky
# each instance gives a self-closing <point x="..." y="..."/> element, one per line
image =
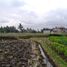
<point x="33" y="13"/>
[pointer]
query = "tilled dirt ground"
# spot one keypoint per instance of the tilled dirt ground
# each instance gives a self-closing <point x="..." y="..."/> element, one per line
<point x="19" y="53"/>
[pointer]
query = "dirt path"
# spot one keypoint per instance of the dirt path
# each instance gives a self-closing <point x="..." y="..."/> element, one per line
<point x="35" y="55"/>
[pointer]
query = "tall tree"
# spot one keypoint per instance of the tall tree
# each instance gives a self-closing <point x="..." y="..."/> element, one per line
<point x="20" y="27"/>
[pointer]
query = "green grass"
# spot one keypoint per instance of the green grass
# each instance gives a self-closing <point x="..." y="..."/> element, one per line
<point x="59" y="45"/>
<point x="53" y="55"/>
<point x="59" y="39"/>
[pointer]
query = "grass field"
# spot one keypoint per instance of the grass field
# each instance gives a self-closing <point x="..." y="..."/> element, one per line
<point x="56" y="48"/>
<point x="21" y="35"/>
<point x="46" y="44"/>
<point x="60" y="39"/>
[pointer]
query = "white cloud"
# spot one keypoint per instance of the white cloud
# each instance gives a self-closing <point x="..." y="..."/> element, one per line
<point x="31" y="13"/>
<point x="43" y="6"/>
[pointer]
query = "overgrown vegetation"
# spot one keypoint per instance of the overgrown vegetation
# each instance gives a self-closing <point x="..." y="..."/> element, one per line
<point x="21" y="35"/>
<point x="59" y="39"/>
<point x="59" y="45"/>
<point x="54" y="50"/>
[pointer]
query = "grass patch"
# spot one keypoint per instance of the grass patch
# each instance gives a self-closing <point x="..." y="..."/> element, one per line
<point x="21" y="35"/>
<point x="59" y="39"/>
<point x="53" y="55"/>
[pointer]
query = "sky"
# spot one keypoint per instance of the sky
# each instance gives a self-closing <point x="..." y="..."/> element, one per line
<point x="36" y="14"/>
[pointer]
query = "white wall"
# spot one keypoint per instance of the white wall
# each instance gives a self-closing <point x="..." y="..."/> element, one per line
<point x="47" y="31"/>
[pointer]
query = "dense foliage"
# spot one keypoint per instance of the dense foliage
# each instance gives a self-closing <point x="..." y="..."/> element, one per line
<point x="11" y="29"/>
<point x="8" y="29"/>
<point x="59" y="39"/>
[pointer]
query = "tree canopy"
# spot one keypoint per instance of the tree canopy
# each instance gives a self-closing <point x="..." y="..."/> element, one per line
<point x="11" y="29"/>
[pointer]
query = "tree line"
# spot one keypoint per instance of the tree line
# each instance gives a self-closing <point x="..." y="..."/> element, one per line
<point x="11" y="29"/>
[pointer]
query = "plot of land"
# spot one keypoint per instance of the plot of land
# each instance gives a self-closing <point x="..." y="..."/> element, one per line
<point x="24" y="51"/>
<point x="19" y="53"/>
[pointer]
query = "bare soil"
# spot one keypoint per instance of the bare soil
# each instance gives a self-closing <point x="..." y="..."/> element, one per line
<point x="19" y="53"/>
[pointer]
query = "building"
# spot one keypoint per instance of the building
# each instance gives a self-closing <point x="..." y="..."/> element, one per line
<point x="58" y="30"/>
<point x="46" y="30"/>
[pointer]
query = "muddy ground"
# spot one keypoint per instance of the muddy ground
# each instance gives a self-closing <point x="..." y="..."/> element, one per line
<point x="19" y="53"/>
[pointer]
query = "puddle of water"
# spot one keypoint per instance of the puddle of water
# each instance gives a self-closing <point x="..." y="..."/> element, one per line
<point x="45" y="59"/>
